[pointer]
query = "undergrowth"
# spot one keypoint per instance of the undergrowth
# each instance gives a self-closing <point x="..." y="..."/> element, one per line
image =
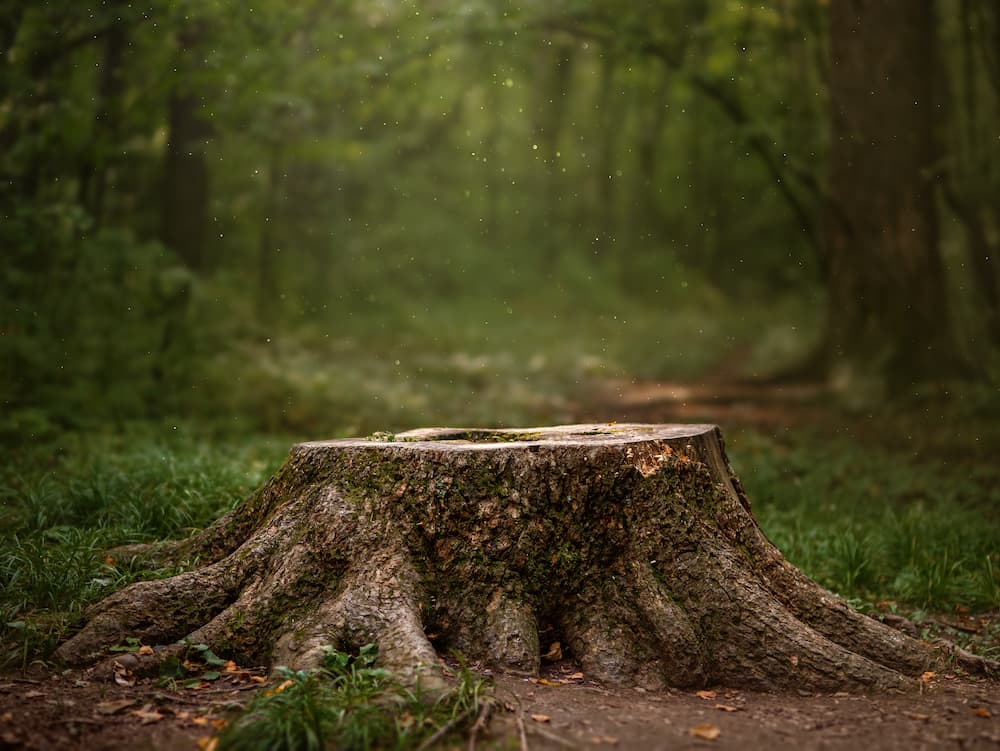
<point x="353" y="705"/>
<point x="62" y="506"/>
<point x="879" y="525"/>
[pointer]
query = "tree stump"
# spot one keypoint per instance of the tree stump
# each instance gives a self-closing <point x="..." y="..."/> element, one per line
<point x="634" y="545"/>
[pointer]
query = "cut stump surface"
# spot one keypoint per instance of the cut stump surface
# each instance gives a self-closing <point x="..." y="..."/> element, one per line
<point x="633" y="544"/>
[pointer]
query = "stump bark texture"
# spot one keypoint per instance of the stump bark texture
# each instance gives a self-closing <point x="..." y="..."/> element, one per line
<point x="633" y="545"/>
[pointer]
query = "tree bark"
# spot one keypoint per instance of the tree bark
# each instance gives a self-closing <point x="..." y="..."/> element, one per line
<point x="633" y="544"/>
<point x="185" y="171"/>
<point x="888" y="319"/>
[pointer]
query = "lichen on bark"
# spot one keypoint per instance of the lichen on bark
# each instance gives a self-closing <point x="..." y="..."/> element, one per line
<point x="634" y="543"/>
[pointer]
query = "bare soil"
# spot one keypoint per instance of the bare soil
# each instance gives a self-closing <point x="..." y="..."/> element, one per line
<point x="561" y="709"/>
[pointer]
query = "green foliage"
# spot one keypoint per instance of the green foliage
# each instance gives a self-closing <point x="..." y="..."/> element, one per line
<point x="349" y="704"/>
<point x="877" y="525"/>
<point x="63" y="505"/>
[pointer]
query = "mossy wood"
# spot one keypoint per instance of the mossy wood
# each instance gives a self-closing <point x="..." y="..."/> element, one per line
<point x="633" y="544"/>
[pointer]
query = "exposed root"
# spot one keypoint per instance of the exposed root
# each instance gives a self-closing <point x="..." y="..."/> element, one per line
<point x="636" y="542"/>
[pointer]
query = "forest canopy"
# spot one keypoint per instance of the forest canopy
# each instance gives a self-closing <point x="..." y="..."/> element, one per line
<point x="341" y="215"/>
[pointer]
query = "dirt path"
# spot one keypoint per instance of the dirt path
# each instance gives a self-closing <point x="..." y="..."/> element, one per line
<point x="949" y="714"/>
<point x="559" y="710"/>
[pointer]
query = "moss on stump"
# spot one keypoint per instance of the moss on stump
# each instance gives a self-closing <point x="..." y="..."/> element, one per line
<point x="634" y="543"/>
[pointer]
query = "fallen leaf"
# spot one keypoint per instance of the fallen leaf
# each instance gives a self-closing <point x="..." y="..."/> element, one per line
<point x="918" y="716"/>
<point x="219" y="723"/>
<point x="727" y="708"/>
<point x="123" y="676"/>
<point x="599" y="739"/>
<point x="545" y="682"/>
<point x="145" y="649"/>
<point x="927" y="676"/>
<point x="113" y="707"/>
<point x="554" y="653"/>
<point x="109" y="560"/>
<point x="705" y="732"/>
<point x="705" y="694"/>
<point x="541" y="718"/>
<point x="199" y="721"/>
<point x="33" y="694"/>
<point x="258" y="679"/>
<point x="230" y="667"/>
<point x="982" y="712"/>
<point x="208" y="743"/>
<point x="575" y="676"/>
<point x="146" y="715"/>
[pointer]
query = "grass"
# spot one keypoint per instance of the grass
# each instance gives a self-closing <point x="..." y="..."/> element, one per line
<point x="877" y="524"/>
<point x="64" y="505"/>
<point x="353" y="705"/>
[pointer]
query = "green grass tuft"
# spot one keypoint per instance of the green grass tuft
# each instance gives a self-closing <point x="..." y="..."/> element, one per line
<point x="349" y="704"/>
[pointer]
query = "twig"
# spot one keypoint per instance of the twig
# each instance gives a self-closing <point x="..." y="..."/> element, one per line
<point x="481" y="720"/>
<point x="521" y="732"/>
<point x="444" y="730"/>
<point x="956" y="626"/>
<point x="552" y="736"/>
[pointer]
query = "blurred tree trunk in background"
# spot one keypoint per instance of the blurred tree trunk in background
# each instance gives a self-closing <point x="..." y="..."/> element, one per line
<point x="185" y="173"/>
<point x="888" y="322"/>
<point x="603" y="217"/>
<point x="652" y="119"/>
<point x="107" y="119"/>
<point x="973" y="102"/>
<point x="556" y="71"/>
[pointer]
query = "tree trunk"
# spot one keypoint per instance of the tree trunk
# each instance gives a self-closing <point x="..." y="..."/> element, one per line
<point x="888" y="319"/>
<point x="185" y="171"/>
<point x="634" y="545"/>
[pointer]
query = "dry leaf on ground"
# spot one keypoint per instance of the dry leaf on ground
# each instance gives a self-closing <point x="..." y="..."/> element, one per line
<point x="727" y="708"/>
<point x="146" y="715"/>
<point x="113" y="707"/>
<point x="123" y="676"/>
<point x="705" y="694"/>
<point x="705" y="732"/>
<point x="982" y="712"/>
<point x="554" y="653"/>
<point x="541" y="718"/>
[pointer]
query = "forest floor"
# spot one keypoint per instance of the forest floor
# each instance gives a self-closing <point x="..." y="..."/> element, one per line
<point x="42" y="709"/>
<point x="560" y="709"/>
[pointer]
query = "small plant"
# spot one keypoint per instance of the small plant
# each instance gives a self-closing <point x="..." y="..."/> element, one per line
<point x="350" y="704"/>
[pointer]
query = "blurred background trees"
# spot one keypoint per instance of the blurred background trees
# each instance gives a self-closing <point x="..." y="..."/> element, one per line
<point x="329" y="216"/>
